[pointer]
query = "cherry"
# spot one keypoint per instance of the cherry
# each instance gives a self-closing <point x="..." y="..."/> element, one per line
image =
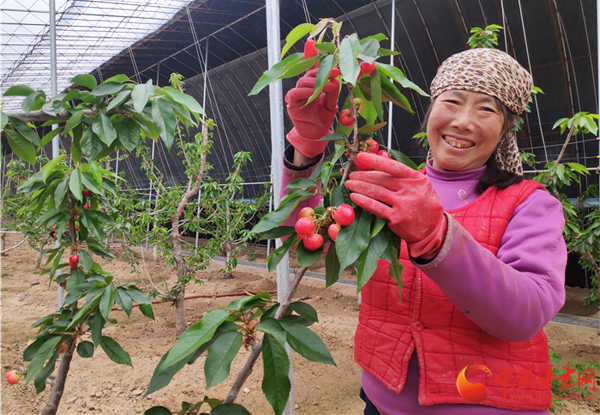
<point x="333" y="231"/>
<point x="304" y="226"/>
<point x="62" y="346"/>
<point x="54" y="235"/>
<point x="373" y="147"/>
<point x="346" y="117"/>
<point x="384" y="153"/>
<point x="310" y="50"/>
<point x="367" y="68"/>
<point x="307" y="212"/>
<point x="335" y="72"/>
<point x="359" y="103"/>
<point x="344" y="215"/>
<point x="54" y="228"/>
<point x="12" y="377"/>
<point x="86" y="193"/>
<point x="313" y="241"/>
<point x="73" y="261"/>
<point x="76" y="228"/>
<point x="86" y="206"/>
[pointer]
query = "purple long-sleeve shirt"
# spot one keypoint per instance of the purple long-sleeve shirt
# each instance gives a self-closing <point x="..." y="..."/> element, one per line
<point x="511" y="295"/>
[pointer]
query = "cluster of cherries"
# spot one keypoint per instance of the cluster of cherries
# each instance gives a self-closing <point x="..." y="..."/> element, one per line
<point x="307" y="229"/>
<point x="12" y="377"/>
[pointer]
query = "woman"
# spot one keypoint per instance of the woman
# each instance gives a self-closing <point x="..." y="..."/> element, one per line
<point x="483" y="255"/>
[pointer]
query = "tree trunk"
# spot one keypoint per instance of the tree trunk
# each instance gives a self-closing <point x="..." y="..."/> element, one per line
<point x="180" y="325"/>
<point x="58" y="387"/>
<point x="155" y="253"/>
<point x="39" y="258"/>
<point x="3" y="244"/>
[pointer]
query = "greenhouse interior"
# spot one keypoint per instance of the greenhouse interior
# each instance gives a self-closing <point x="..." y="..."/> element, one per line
<point x="220" y="49"/>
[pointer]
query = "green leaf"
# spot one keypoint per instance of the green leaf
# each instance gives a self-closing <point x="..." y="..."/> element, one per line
<point x="75" y="184"/>
<point x="353" y="239"/>
<point x="196" y="335"/>
<point x="327" y="47"/>
<point x="124" y="300"/>
<point x="115" y="352"/>
<point x="295" y="35"/>
<point x="103" y="128"/>
<point x="34" y="347"/>
<point x="403" y="158"/>
<point x="89" y="182"/>
<point x="230" y="409"/>
<point x="107" y="88"/>
<point x="157" y="410"/>
<point x="164" y="120"/>
<point x="3" y="120"/>
<point x="185" y="99"/>
<point x="121" y="78"/>
<point x="397" y="75"/>
<point x="332" y="267"/>
<point x="302" y="184"/>
<point x="349" y="67"/>
<point x="92" y="299"/>
<point x="272" y="327"/>
<point x="298" y="67"/>
<point x="33" y="102"/>
<point x="91" y="144"/>
<point x="339" y="196"/>
<point x="143" y="300"/>
<point x="307" y="258"/>
<point x="322" y="76"/>
<point x="86" y="80"/>
<point x="40" y="379"/>
<point x="44" y="353"/>
<point x="140" y="95"/>
<point x="278" y="232"/>
<point x="366" y="129"/>
<point x="85" y="260"/>
<point x="119" y="99"/>
<point x="376" y="98"/>
<point x="306" y="342"/>
<point x="334" y="137"/>
<point x="19" y="91"/>
<point x="368" y="259"/>
<point x="49" y="167"/>
<point x="277" y="255"/>
<point x="273" y="74"/>
<point x="20" y="146"/>
<point x="378" y="224"/>
<point x="280" y="214"/>
<point x="369" y="50"/>
<point x="276" y="383"/>
<point x="74" y="121"/>
<point x="247" y="303"/>
<point x="219" y="357"/>
<point x="87" y="221"/>
<point x="305" y="310"/>
<point x="85" y="349"/>
<point x="107" y="301"/>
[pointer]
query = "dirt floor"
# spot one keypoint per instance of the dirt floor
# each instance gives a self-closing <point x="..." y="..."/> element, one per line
<point x="98" y="385"/>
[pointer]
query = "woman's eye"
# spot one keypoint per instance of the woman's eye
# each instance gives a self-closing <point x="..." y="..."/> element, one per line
<point x="488" y="109"/>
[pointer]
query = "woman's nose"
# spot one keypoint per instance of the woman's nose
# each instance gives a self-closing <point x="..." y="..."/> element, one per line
<point x="463" y="120"/>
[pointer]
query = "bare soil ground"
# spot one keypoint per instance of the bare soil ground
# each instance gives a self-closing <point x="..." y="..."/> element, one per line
<point x="98" y="385"/>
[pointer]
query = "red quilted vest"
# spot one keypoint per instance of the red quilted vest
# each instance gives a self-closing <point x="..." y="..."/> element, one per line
<point x="388" y="331"/>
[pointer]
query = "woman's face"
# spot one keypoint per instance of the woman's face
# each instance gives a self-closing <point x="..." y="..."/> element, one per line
<point x="463" y="130"/>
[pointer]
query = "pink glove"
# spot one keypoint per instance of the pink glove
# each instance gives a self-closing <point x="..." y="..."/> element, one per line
<point x="313" y="121"/>
<point x="405" y="198"/>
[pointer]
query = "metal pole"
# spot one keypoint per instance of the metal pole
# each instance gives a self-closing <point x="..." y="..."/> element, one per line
<point x="393" y="42"/>
<point x="55" y="140"/>
<point x="598" y="67"/>
<point x="277" y="147"/>
<point x="203" y="124"/>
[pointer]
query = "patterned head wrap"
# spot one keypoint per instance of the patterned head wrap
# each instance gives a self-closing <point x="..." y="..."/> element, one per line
<point x="495" y="73"/>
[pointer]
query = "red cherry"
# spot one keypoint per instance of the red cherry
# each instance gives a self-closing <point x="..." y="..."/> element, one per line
<point x="304" y="226"/>
<point x="384" y="153"/>
<point x="86" y="193"/>
<point x="86" y="206"/>
<point x="346" y="118"/>
<point x="74" y="261"/>
<point x="67" y="226"/>
<point x="12" y="377"/>
<point x="335" y="72"/>
<point x="373" y="146"/>
<point x="313" y="242"/>
<point x="367" y="68"/>
<point x="54" y="235"/>
<point x="76" y="228"/>
<point x="54" y="228"/>
<point x="307" y="212"/>
<point x="310" y="50"/>
<point x="344" y="215"/>
<point x="333" y="231"/>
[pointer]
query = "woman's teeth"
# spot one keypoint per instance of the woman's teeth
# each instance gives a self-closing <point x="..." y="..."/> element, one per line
<point x="458" y="145"/>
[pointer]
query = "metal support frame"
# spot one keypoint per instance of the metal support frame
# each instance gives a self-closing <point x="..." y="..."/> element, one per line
<point x="392" y="44"/>
<point x="277" y="147"/>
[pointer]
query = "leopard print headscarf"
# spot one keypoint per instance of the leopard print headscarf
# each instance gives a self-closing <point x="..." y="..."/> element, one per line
<point x="495" y="73"/>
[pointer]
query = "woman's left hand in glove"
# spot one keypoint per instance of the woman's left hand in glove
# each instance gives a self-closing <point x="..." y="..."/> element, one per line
<point x="405" y="198"/>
